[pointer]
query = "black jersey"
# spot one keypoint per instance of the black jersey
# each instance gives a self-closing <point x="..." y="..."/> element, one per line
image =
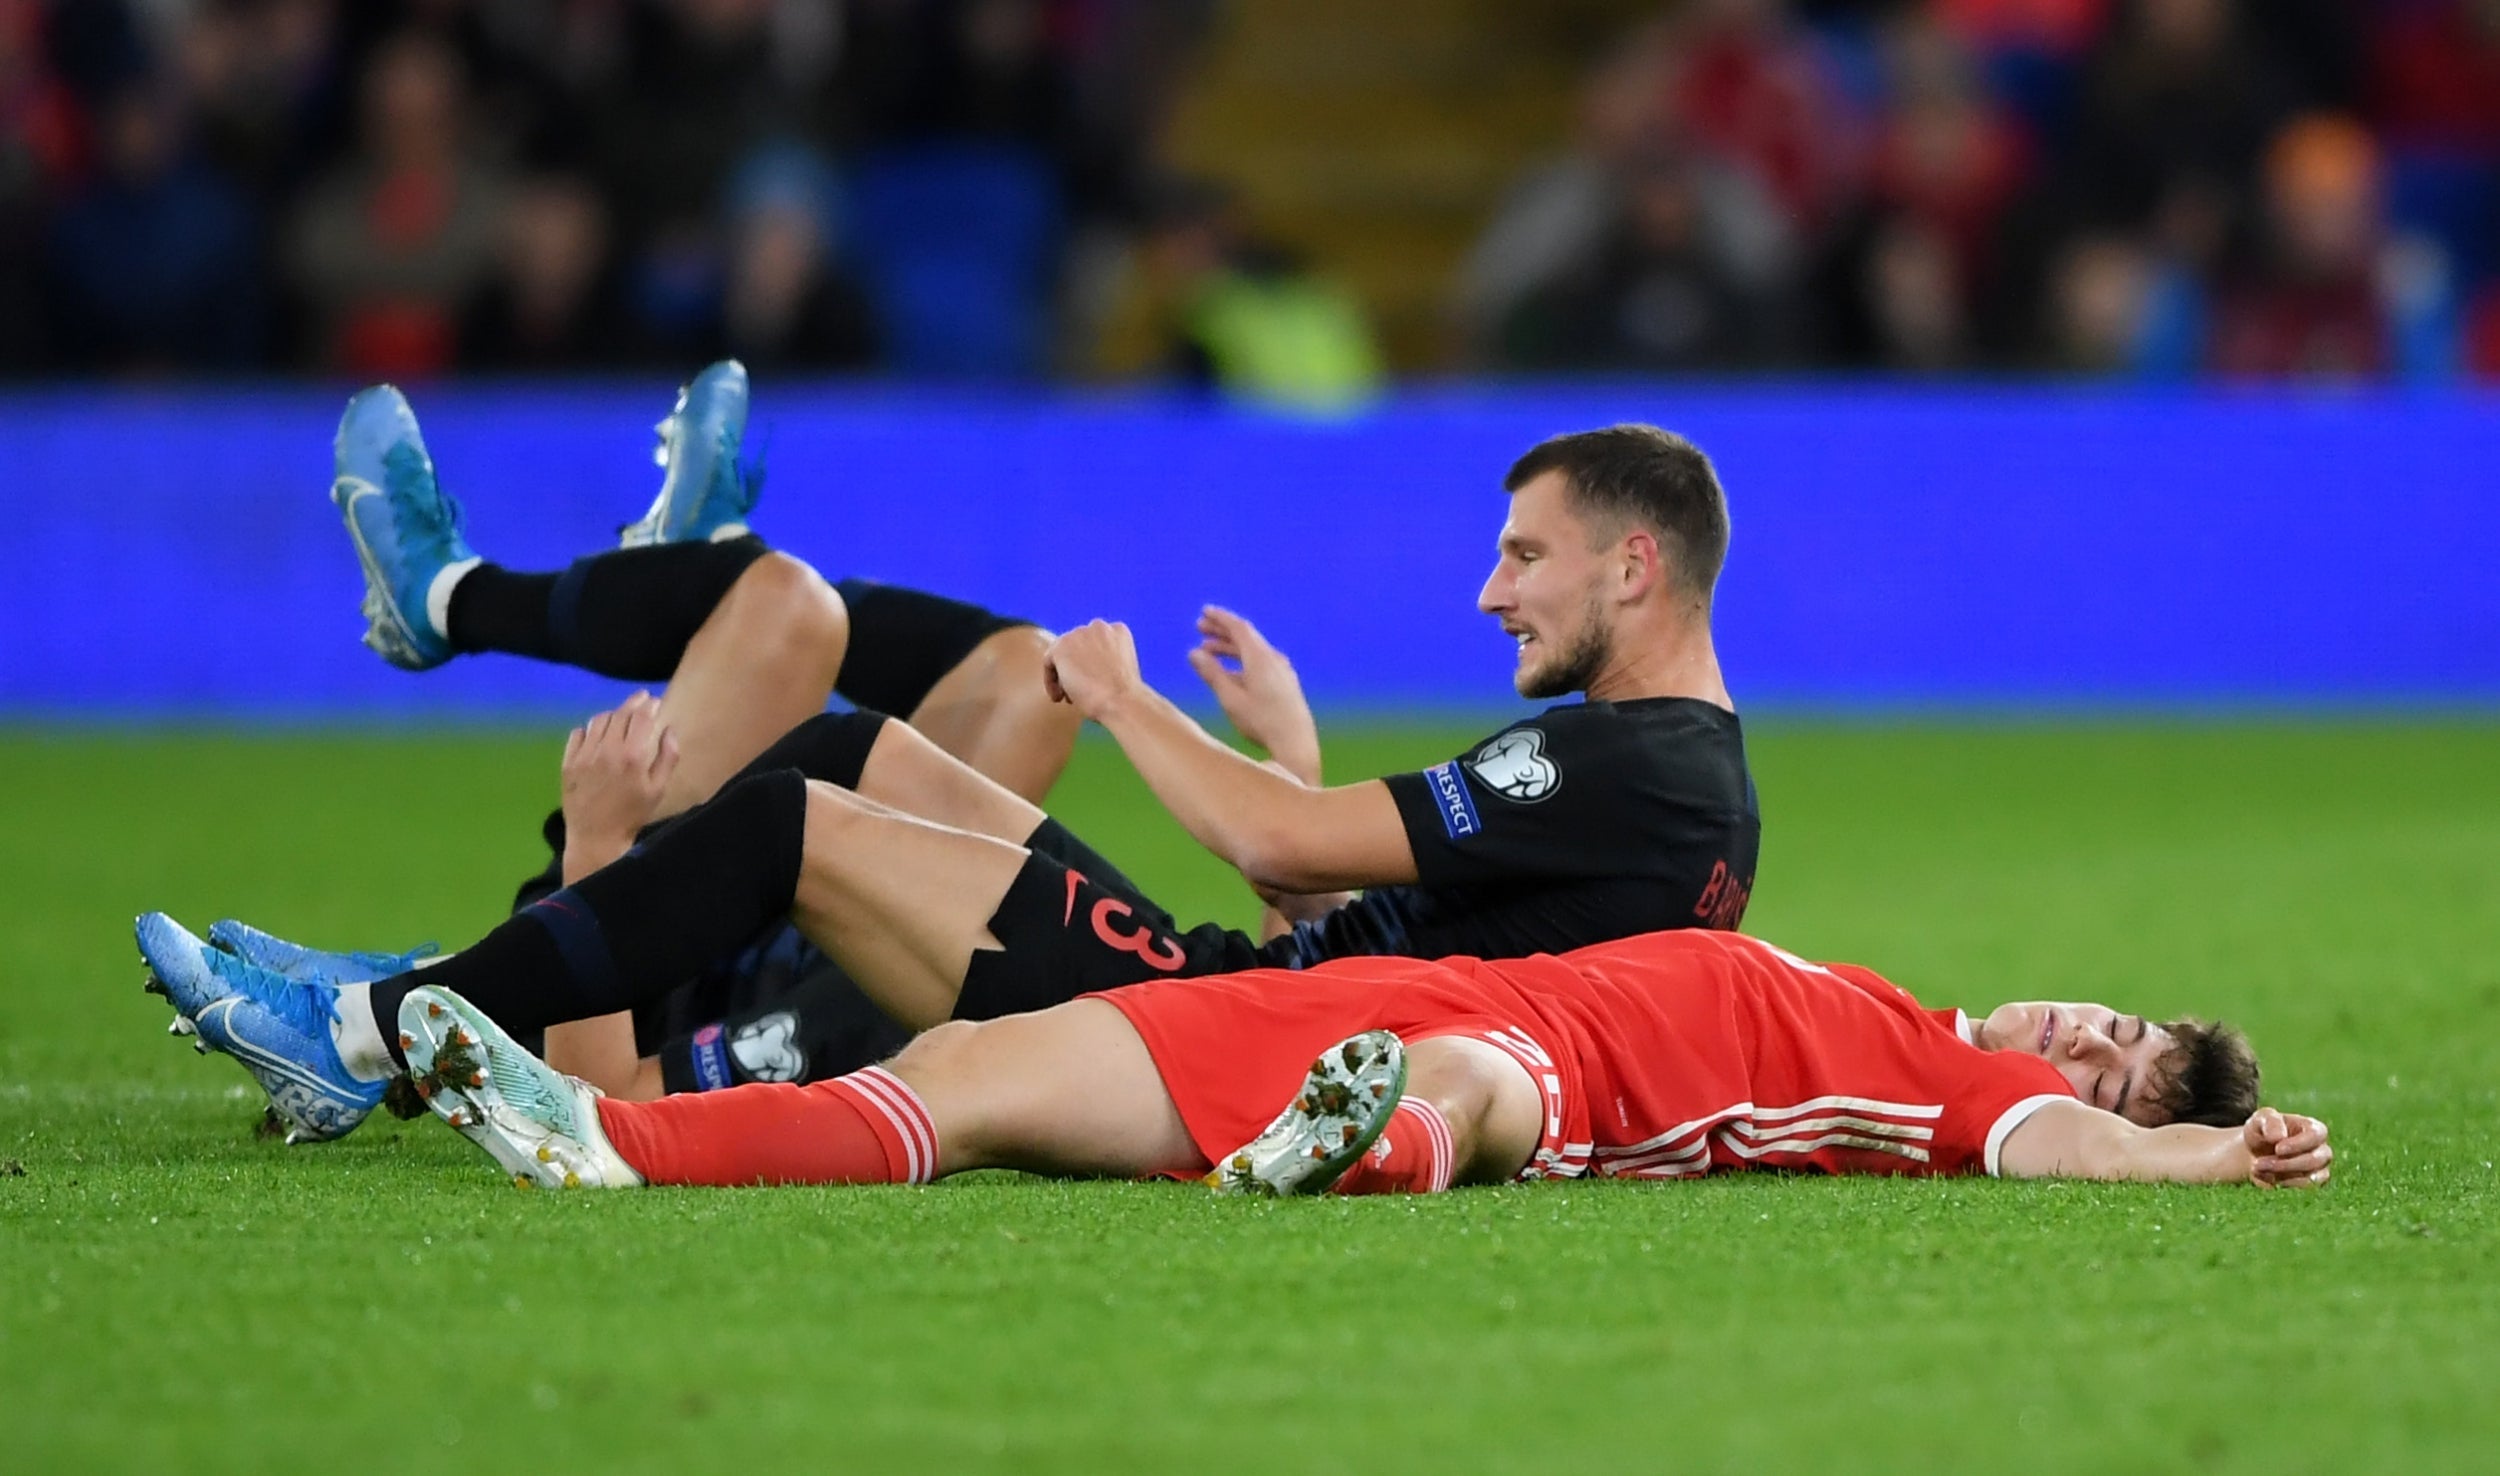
<point x="1589" y="822"/>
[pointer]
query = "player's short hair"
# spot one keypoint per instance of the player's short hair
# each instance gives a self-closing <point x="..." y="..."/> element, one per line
<point x="1644" y="475"/>
<point x="2209" y="1076"/>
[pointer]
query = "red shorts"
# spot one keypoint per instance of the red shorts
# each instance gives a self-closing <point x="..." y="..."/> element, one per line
<point x="1234" y="1048"/>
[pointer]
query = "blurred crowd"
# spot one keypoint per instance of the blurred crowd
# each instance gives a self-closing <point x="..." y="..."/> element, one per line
<point x="397" y="188"/>
<point x="2148" y="188"/>
<point x="394" y="188"/>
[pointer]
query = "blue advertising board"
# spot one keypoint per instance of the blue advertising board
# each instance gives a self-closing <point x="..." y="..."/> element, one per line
<point x="173" y="553"/>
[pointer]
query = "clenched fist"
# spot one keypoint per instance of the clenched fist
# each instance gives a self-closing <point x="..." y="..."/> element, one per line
<point x="1092" y="666"/>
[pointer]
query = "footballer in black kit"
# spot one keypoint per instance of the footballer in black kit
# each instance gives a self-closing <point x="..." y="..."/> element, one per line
<point x="1629" y="811"/>
<point x="1588" y="822"/>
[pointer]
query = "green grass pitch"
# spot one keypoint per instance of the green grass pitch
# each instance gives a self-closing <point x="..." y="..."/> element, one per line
<point x="177" y="1296"/>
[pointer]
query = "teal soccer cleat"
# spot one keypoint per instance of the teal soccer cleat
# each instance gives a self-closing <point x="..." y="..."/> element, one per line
<point x="539" y="1124"/>
<point x="279" y="1028"/>
<point x="706" y="495"/>
<point x="407" y="531"/>
<point x="308" y="965"/>
<point x="1341" y="1110"/>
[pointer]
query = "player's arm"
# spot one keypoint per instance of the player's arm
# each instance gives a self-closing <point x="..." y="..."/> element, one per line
<point x="2070" y="1140"/>
<point x="616" y="768"/>
<point x="1284" y="836"/>
<point x="1279" y="912"/>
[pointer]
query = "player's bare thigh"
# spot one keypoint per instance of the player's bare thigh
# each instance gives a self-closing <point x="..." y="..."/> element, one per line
<point x="992" y="711"/>
<point x="1070" y="1090"/>
<point x="901" y="903"/>
<point x="1495" y="1112"/>
<point x="763" y="662"/>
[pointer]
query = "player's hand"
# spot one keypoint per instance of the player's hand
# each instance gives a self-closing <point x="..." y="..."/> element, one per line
<point x="1092" y="666"/>
<point x="616" y="767"/>
<point x="1258" y="690"/>
<point x="2288" y="1151"/>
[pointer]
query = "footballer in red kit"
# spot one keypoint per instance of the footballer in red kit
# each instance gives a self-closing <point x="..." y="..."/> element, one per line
<point x="1666" y="1055"/>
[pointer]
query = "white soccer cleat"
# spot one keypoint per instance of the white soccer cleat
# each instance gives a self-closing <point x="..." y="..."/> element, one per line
<point x="541" y="1125"/>
<point x="1344" y="1104"/>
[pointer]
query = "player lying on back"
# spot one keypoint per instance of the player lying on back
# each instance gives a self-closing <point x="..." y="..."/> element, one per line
<point x="1666" y="1055"/>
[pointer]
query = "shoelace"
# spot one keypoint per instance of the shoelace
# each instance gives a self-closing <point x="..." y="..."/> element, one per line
<point x="308" y="1009"/>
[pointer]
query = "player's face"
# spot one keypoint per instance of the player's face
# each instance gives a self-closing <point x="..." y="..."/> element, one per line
<point x="2108" y="1058"/>
<point x="1548" y="590"/>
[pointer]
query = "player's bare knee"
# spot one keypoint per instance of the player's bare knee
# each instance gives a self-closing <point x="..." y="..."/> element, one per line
<point x="948" y="1065"/>
<point x="936" y="1050"/>
<point x="1024" y="702"/>
<point x="784" y="600"/>
<point x="1492" y="1105"/>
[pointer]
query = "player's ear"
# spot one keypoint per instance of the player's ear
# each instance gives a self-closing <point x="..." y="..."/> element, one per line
<point x="1641" y="563"/>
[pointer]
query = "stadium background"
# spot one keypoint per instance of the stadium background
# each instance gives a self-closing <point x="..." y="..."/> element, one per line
<point x="2102" y="391"/>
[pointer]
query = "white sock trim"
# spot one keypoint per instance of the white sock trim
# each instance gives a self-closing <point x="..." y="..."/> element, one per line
<point x="438" y="594"/>
<point x="358" y="1036"/>
<point x="1437" y="1136"/>
<point x="893" y="1096"/>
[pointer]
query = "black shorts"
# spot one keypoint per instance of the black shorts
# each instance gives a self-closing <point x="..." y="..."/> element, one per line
<point x="781" y="1011"/>
<point x="1062" y="933"/>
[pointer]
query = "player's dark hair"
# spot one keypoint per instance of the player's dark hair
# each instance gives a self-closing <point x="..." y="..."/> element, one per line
<point x="1641" y="474"/>
<point x="2209" y="1076"/>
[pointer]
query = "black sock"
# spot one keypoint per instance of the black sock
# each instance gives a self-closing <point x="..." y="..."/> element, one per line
<point x="831" y="746"/>
<point x="627" y="613"/>
<point x="904" y="640"/>
<point x="693" y="895"/>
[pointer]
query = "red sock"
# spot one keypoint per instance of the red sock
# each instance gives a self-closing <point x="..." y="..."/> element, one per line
<point x="864" y="1128"/>
<point x="1412" y="1156"/>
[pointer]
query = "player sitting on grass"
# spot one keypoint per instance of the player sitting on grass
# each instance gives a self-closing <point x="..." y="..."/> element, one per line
<point x="1667" y="1055"/>
<point x="944" y="895"/>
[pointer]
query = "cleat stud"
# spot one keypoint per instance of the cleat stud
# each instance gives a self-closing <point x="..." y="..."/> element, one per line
<point x="1351" y="1133"/>
<point x="407" y="1041"/>
<point x="1318" y="1152"/>
<point x="572" y="1180"/>
<point x="294" y="1136"/>
<point x="458" y="1118"/>
<point x="199" y="1047"/>
<point x="520" y="1181"/>
<point x="425" y="1086"/>
<point x="477" y="1078"/>
<point x="433" y="1011"/>
<point x="545" y="1154"/>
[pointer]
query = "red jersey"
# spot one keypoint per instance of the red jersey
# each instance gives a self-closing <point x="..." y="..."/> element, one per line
<point x="1663" y="1055"/>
